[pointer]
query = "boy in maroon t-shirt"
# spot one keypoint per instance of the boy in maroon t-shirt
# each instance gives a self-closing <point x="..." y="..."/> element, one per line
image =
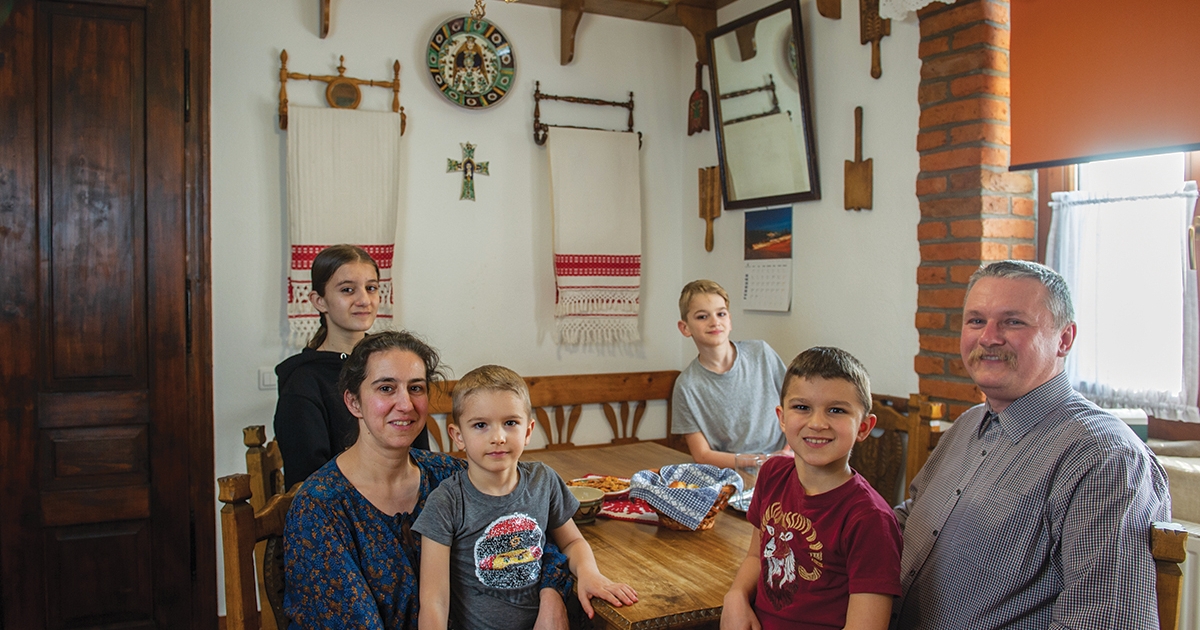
<point x="826" y="549"/>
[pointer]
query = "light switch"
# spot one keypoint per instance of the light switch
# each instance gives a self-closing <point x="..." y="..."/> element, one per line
<point x="266" y="379"/>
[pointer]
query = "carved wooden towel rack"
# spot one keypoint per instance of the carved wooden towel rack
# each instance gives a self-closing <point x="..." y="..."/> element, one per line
<point x="342" y="92"/>
<point x="541" y="129"/>
<point x="768" y="87"/>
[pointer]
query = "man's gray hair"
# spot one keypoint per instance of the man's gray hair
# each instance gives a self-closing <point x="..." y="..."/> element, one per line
<point x="1059" y="295"/>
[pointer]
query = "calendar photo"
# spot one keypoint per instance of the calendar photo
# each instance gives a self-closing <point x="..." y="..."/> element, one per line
<point x="769" y="234"/>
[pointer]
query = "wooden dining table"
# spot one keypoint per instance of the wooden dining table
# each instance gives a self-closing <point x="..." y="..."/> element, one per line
<point x="681" y="577"/>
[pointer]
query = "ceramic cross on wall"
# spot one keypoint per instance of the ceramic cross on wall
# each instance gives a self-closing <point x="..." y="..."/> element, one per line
<point x="469" y="168"/>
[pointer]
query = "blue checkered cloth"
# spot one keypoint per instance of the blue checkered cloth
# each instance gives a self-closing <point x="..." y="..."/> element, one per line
<point x="688" y="506"/>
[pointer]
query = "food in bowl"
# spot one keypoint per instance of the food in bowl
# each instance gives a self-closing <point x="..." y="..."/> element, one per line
<point x="611" y="486"/>
<point x="681" y="484"/>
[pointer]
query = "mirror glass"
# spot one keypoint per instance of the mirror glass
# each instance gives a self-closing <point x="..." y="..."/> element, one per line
<point x="764" y="122"/>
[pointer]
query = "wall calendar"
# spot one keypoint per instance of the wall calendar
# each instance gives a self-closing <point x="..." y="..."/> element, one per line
<point x="767" y="283"/>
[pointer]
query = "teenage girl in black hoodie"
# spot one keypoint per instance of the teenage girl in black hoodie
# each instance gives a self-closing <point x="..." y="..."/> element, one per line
<point x="312" y="422"/>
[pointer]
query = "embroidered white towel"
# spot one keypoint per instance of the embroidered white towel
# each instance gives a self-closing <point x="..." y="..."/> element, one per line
<point x="343" y="186"/>
<point x="595" y="190"/>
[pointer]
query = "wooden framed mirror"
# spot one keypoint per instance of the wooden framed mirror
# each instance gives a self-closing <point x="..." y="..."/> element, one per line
<point x="765" y="139"/>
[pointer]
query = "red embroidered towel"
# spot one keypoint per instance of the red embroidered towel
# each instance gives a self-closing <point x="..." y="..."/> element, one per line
<point x="343" y="186"/>
<point x="595" y="189"/>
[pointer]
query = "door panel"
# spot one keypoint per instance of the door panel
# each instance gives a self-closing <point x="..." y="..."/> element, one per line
<point x="96" y="491"/>
<point x="96" y="205"/>
<point x="108" y="453"/>
<point x="111" y="586"/>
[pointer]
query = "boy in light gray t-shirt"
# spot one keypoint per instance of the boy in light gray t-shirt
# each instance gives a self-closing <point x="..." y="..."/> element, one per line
<point x="724" y="401"/>
<point x="734" y="411"/>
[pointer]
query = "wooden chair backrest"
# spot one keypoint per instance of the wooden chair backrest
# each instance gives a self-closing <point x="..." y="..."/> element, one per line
<point x="242" y="527"/>
<point x="882" y="456"/>
<point x="264" y="463"/>
<point x="563" y="397"/>
<point x="1168" y="545"/>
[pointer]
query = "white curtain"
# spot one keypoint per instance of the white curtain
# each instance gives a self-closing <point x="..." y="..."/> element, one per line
<point x="1135" y="297"/>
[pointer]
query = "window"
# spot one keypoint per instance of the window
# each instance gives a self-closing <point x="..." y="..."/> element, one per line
<point x="1120" y="241"/>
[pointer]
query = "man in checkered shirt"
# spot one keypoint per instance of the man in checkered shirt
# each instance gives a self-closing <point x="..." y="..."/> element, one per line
<point x="1034" y="511"/>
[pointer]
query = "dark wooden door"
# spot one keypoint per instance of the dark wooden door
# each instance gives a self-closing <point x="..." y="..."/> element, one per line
<point x="96" y="527"/>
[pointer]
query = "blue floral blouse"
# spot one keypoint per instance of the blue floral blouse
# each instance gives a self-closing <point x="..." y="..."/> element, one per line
<point x="351" y="566"/>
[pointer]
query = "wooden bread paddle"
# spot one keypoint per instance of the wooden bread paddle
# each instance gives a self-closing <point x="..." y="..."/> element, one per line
<point x="831" y="9"/>
<point x="858" y="172"/>
<point x="710" y="202"/>
<point x="698" y="105"/>
<point x="872" y="28"/>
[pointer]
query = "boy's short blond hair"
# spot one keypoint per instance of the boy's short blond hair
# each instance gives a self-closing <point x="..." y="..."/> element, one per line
<point x="492" y="378"/>
<point x="830" y="363"/>
<point x="699" y="287"/>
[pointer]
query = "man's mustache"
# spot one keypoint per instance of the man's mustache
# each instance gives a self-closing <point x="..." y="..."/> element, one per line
<point x="1008" y="356"/>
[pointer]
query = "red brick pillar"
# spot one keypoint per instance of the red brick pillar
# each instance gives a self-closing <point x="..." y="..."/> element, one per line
<point x="972" y="209"/>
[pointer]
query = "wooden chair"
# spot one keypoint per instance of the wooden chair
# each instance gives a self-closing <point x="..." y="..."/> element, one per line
<point x="622" y="396"/>
<point x="1168" y="545"/>
<point x="882" y="457"/>
<point x="245" y="511"/>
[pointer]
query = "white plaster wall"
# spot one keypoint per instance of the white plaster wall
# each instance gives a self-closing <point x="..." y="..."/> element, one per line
<point x="854" y="273"/>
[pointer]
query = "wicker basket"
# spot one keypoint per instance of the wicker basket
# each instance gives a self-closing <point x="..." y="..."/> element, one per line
<point x="710" y="519"/>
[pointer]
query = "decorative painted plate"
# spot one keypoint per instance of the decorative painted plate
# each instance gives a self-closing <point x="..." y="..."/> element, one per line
<point x="471" y="62"/>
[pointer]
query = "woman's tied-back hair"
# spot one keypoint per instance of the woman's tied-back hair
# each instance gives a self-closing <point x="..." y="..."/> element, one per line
<point x="830" y="363"/>
<point x="699" y="287"/>
<point x="354" y="370"/>
<point x="490" y="378"/>
<point x="325" y="264"/>
<point x="1058" y="299"/>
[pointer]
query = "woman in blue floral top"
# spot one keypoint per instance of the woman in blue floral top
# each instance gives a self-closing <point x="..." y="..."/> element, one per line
<point x="352" y="561"/>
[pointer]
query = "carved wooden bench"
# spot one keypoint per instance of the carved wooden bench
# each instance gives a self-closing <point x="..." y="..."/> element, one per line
<point x="558" y="402"/>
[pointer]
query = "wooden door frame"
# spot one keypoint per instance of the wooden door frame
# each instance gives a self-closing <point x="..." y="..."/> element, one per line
<point x="199" y="274"/>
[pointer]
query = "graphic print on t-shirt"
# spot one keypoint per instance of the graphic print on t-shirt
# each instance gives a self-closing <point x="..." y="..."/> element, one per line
<point x="783" y="533"/>
<point x="508" y="554"/>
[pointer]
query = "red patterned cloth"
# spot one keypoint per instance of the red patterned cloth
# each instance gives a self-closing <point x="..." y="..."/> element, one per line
<point x="626" y="509"/>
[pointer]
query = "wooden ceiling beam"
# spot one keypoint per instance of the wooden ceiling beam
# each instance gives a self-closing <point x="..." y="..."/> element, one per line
<point x="697" y="16"/>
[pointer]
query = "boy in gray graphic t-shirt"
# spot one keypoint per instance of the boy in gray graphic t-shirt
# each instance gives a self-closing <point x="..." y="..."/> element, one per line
<point x="724" y="400"/>
<point x="483" y="529"/>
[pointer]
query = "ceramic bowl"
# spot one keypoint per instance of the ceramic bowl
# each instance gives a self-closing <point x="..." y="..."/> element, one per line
<point x="590" y="500"/>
